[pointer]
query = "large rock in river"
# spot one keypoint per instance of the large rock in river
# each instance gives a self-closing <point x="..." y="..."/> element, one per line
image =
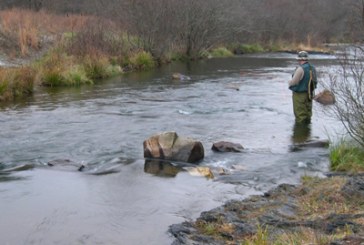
<point x="170" y="146"/>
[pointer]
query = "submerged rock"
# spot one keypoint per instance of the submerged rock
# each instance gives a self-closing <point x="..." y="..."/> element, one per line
<point x="200" y="171"/>
<point x="224" y="146"/>
<point x="69" y="165"/>
<point x="21" y="167"/>
<point x="66" y="164"/>
<point x="179" y="76"/>
<point x="310" y="144"/>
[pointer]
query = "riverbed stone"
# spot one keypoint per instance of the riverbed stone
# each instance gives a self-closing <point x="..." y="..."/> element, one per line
<point x="66" y="164"/>
<point x="200" y="171"/>
<point x="225" y="146"/>
<point x="310" y="144"/>
<point x="69" y="165"/>
<point x="171" y="146"/>
<point x="179" y="76"/>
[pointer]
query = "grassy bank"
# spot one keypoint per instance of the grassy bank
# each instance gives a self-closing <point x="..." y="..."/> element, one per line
<point x="318" y="211"/>
<point x="321" y="198"/>
<point x="63" y="50"/>
<point x="318" y="200"/>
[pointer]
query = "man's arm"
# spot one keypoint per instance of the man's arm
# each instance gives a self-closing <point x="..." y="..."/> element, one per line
<point x="297" y="77"/>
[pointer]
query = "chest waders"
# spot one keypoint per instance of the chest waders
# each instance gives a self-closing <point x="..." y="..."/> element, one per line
<point x="302" y="96"/>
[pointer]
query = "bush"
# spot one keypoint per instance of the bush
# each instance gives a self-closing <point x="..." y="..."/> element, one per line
<point x="100" y="67"/>
<point x="53" y="78"/>
<point x="16" y="82"/>
<point x="221" y="52"/>
<point x="142" y="61"/>
<point x="76" y="76"/>
<point x="247" y="48"/>
<point x="95" y="68"/>
<point x="51" y="68"/>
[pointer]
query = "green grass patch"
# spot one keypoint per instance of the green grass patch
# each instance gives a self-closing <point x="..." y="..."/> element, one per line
<point x="53" y="79"/>
<point x="247" y="48"/>
<point x="261" y="237"/>
<point x="221" y="52"/>
<point x="58" y="69"/>
<point x="142" y="61"/>
<point x="347" y="157"/>
<point x="76" y="76"/>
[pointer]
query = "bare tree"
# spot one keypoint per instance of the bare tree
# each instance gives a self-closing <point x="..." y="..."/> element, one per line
<point x="203" y="24"/>
<point x="348" y="88"/>
<point x="152" y="22"/>
<point x="35" y="5"/>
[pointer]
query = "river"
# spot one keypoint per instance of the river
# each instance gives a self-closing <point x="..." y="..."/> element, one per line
<point x="240" y="99"/>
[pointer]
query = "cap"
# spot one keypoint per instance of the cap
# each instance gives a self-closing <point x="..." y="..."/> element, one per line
<point x="302" y="55"/>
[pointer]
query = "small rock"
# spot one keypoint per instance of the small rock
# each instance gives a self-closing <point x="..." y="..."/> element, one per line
<point x="200" y="171"/>
<point x="179" y="76"/>
<point x="224" y="146"/>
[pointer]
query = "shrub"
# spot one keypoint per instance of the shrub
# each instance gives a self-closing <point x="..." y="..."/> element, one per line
<point x="16" y="82"/>
<point x="221" y="52"/>
<point x="247" y="48"/>
<point x="53" y="78"/>
<point x="142" y="61"/>
<point x="100" y="67"/>
<point x="51" y="67"/>
<point x="76" y="76"/>
<point x="95" y="68"/>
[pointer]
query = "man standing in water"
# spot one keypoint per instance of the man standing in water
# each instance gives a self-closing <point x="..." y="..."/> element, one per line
<point x="303" y="84"/>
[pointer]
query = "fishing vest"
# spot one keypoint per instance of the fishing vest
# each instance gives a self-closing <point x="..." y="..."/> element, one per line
<point x="302" y="86"/>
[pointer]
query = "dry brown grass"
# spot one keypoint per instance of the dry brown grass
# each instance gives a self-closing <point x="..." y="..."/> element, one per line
<point x="307" y="236"/>
<point x="29" y="29"/>
<point x="323" y="197"/>
<point x="16" y="82"/>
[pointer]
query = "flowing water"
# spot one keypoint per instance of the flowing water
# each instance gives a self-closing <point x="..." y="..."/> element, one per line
<point x="241" y="99"/>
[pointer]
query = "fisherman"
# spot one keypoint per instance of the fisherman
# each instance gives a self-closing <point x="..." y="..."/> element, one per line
<point x="303" y="84"/>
